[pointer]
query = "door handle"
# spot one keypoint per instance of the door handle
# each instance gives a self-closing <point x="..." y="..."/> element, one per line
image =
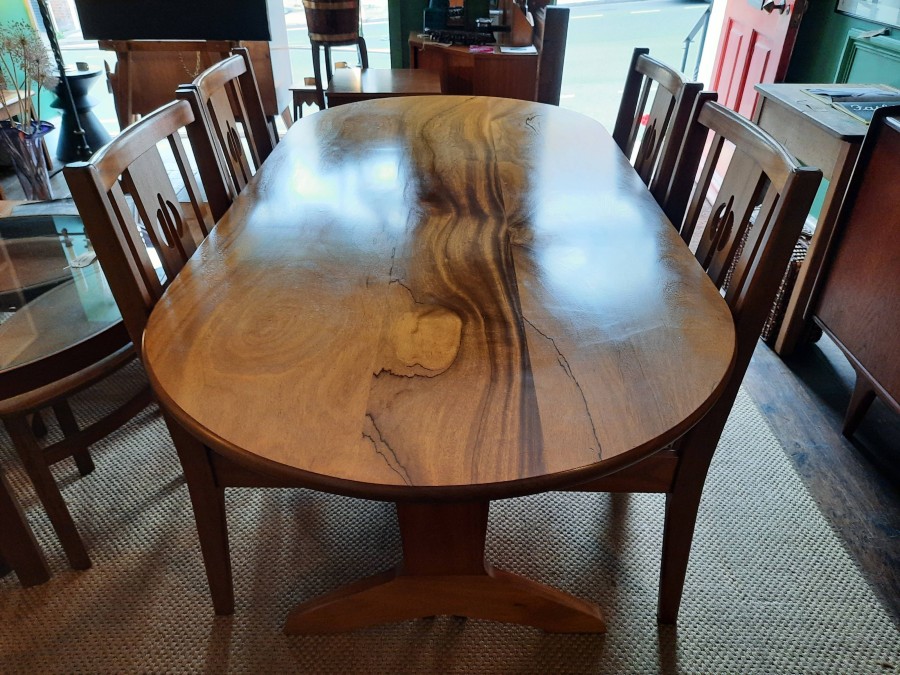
<point x="772" y="6"/>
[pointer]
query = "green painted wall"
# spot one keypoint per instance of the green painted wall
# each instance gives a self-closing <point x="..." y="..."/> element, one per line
<point x="823" y="33"/>
<point x="404" y="16"/>
<point x="13" y="10"/>
<point x="817" y="55"/>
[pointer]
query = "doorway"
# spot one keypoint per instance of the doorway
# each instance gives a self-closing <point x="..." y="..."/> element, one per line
<point x="602" y="37"/>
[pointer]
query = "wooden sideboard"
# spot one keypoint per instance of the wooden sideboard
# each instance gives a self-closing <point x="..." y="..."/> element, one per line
<point x="820" y="136"/>
<point x="481" y="74"/>
<point x="148" y="72"/>
<point x="859" y="305"/>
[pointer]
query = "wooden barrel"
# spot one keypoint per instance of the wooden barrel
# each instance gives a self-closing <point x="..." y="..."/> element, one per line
<point x="332" y="21"/>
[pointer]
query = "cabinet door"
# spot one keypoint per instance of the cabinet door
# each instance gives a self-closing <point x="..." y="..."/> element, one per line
<point x="508" y="76"/>
<point x="457" y="69"/>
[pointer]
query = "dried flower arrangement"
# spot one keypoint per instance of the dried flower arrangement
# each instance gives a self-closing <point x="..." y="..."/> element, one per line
<point x="22" y="50"/>
<point x="25" y="69"/>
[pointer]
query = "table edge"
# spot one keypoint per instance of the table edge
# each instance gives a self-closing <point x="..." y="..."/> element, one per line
<point x="445" y="493"/>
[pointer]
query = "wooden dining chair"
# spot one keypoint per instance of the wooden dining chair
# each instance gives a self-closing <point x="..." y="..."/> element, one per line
<point x="52" y="349"/>
<point x="132" y="165"/>
<point x="225" y="97"/>
<point x="664" y="119"/>
<point x="755" y="221"/>
<point x="551" y="28"/>
<point x="21" y="415"/>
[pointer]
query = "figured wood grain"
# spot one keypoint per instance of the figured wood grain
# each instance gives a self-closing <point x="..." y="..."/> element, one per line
<point x="442" y="298"/>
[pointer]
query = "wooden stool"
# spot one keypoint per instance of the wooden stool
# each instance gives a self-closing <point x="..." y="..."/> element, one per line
<point x="304" y="94"/>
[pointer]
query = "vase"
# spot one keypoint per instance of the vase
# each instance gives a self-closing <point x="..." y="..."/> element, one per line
<point x="26" y="150"/>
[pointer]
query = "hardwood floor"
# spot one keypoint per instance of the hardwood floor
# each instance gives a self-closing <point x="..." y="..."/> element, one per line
<point x="855" y="482"/>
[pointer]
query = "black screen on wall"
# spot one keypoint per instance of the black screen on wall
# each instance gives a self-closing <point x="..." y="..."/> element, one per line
<point x="173" y="19"/>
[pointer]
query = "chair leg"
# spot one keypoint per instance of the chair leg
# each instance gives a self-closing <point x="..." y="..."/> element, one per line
<point x="317" y="73"/>
<point x="208" y="500"/>
<point x="329" y="64"/>
<point x="860" y="401"/>
<point x="695" y="450"/>
<point x="18" y="547"/>
<point x="678" y="533"/>
<point x="363" y="52"/>
<point x="69" y="427"/>
<point x="38" y="470"/>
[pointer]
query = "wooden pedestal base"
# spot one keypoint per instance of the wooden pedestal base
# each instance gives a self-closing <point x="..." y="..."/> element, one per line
<point x="444" y="572"/>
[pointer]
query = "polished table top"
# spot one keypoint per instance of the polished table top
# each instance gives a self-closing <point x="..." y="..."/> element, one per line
<point x="441" y="297"/>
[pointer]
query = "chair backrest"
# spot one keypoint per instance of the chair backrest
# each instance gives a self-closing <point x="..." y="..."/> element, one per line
<point x="755" y="219"/>
<point x="132" y="164"/>
<point x="551" y="27"/>
<point x="226" y="95"/>
<point x="665" y="118"/>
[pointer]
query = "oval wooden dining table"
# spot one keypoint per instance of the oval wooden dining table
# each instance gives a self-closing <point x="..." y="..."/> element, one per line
<point x="441" y="301"/>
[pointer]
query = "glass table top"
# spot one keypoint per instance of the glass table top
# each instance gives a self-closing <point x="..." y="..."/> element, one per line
<point x="52" y="291"/>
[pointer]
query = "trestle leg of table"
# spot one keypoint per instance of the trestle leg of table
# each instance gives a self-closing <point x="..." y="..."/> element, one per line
<point x="444" y="572"/>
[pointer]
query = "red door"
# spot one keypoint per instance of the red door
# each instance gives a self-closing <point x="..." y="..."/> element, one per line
<point x="756" y="44"/>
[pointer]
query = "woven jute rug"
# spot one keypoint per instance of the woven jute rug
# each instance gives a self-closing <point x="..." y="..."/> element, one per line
<point x="769" y="587"/>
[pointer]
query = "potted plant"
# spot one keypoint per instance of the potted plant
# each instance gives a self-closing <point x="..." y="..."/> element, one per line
<point x="25" y="69"/>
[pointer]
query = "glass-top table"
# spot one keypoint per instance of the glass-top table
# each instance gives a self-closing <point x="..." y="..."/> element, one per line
<point x="60" y="331"/>
<point x="57" y="314"/>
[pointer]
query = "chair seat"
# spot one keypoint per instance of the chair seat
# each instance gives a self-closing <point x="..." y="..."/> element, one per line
<point x="349" y="85"/>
